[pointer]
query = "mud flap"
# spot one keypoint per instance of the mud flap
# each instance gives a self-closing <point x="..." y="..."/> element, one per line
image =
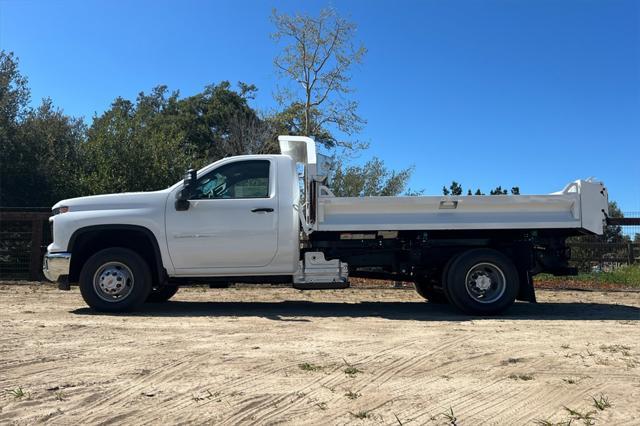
<point x="63" y="283"/>
<point x="526" y="291"/>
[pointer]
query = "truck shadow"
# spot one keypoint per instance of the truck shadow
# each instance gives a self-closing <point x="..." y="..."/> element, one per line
<point x="417" y="311"/>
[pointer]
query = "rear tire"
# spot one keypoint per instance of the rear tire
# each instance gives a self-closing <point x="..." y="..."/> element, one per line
<point x="162" y="293"/>
<point x="482" y="282"/>
<point x="115" y="280"/>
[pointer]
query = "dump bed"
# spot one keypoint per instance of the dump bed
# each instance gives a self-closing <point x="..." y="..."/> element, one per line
<point x="580" y="205"/>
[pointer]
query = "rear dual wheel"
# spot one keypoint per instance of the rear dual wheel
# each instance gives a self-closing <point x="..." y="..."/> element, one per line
<point x="481" y="282"/>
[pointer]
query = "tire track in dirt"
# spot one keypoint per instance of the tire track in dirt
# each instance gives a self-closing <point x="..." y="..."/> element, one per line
<point x="336" y="378"/>
<point x="457" y="399"/>
<point x="327" y="381"/>
<point x="397" y="366"/>
<point x="501" y="402"/>
<point x="461" y="399"/>
<point x="117" y="395"/>
<point x="276" y="399"/>
<point x="400" y="365"/>
<point x="530" y="410"/>
<point x="455" y="366"/>
<point x="237" y="385"/>
<point x="231" y="386"/>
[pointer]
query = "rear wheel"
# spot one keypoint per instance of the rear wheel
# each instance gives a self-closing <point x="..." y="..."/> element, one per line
<point x="115" y="280"/>
<point x="482" y="281"/>
<point x="162" y="294"/>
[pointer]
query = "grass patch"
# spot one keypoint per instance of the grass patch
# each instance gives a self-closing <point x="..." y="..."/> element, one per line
<point x="601" y="403"/>
<point x="623" y="349"/>
<point x="450" y="416"/>
<point x="587" y="418"/>
<point x="352" y="395"/>
<point x="361" y="415"/>
<point x="305" y="366"/>
<point x="525" y="377"/>
<point x="542" y="422"/>
<point x="511" y="361"/>
<point x="17" y="393"/>
<point x="351" y="371"/>
<point x="628" y="276"/>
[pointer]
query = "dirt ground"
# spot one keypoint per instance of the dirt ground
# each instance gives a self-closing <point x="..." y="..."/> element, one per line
<point x="263" y="355"/>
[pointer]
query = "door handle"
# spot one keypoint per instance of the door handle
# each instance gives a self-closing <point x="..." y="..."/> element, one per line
<point x="262" y="209"/>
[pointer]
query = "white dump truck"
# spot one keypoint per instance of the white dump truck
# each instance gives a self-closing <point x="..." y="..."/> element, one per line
<point x="252" y="219"/>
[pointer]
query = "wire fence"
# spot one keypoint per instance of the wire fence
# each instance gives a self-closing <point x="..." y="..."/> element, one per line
<point x="25" y="234"/>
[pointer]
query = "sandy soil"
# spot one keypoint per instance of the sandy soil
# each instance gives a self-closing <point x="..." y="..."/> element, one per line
<point x="280" y="356"/>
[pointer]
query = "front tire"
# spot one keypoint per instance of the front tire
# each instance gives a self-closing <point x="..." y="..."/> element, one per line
<point x="482" y="282"/>
<point x="115" y="280"/>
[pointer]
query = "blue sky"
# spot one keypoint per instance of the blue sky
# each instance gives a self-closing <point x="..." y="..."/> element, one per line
<point x="532" y="93"/>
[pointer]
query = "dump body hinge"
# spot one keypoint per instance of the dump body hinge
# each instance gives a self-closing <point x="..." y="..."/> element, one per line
<point x="306" y="228"/>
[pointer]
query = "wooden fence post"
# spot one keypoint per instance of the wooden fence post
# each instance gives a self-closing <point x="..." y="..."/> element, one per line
<point x="35" y="264"/>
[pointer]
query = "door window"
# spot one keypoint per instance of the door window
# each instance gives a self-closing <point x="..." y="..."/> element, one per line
<point x="240" y="179"/>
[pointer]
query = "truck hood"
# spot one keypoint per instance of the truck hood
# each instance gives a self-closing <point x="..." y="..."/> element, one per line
<point x="127" y="200"/>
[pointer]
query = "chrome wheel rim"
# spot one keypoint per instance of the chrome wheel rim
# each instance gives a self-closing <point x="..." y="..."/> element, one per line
<point x="485" y="282"/>
<point x="113" y="281"/>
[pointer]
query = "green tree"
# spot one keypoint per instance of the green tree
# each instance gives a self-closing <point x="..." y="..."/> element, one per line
<point x="48" y="165"/>
<point x="498" y="191"/>
<point x="454" y="189"/>
<point x="39" y="159"/>
<point x="138" y="147"/>
<point x="317" y="56"/>
<point x="219" y="122"/>
<point x="14" y="94"/>
<point x="612" y="233"/>
<point x="373" y="178"/>
<point x="167" y="135"/>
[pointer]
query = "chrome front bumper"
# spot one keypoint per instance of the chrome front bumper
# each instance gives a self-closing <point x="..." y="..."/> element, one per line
<point x="55" y="265"/>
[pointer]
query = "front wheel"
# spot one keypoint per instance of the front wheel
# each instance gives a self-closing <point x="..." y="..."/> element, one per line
<point x="115" y="280"/>
<point x="482" y="282"/>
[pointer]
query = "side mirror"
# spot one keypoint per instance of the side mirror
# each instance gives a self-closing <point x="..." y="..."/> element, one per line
<point x="188" y="187"/>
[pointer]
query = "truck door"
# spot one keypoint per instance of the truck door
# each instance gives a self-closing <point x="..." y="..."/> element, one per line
<point x="232" y="220"/>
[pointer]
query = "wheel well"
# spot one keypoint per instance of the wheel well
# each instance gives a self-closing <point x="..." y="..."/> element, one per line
<point x="87" y="241"/>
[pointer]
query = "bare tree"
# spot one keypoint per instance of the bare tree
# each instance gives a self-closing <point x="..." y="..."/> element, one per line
<point x="316" y="59"/>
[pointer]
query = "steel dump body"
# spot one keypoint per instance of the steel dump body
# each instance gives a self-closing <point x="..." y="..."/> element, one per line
<point x="438" y="213"/>
<point x="580" y="206"/>
<point x="554" y="211"/>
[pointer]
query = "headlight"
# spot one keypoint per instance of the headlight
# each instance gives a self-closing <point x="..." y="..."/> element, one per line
<point x="61" y="209"/>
